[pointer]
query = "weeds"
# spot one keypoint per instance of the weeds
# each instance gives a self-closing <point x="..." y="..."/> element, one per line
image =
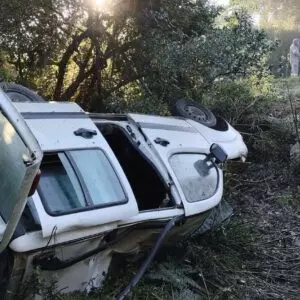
<point x="37" y="285"/>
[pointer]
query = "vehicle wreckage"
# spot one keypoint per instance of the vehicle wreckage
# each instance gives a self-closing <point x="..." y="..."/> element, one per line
<point x="76" y="187"/>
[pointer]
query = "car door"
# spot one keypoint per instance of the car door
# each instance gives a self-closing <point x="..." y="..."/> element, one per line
<point x="183" y="150"/>
<point x="20" y="157"/>
<point x="82" y="184"/>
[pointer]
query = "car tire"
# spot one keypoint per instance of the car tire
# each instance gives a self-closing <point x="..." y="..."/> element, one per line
<point x="19" y="93"/>
<point x="192" y="110"/>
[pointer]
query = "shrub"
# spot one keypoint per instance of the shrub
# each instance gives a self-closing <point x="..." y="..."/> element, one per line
<point x="238" y="101"/>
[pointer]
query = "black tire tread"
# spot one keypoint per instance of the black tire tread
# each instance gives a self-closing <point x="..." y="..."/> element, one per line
<point x="176" y="110"/>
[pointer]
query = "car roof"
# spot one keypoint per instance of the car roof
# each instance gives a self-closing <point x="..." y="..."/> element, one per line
<point x="48" y="107"/>
<point x="53" y="125"/>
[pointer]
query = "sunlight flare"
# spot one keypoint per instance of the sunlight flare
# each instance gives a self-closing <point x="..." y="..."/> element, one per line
<point x="101" y="4"/>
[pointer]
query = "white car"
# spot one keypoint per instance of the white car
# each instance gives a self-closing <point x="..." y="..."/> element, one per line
<point x="108" y="183"/>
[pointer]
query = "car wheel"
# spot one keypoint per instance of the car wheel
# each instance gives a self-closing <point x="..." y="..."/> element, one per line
<point x="192" y="110"/>
<point x="19" y="93"/>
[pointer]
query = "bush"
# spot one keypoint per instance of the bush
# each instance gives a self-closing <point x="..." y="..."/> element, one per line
<point x="238" y="101"/>
<point x="135" y="99"/>
<point x="7" y="72"/>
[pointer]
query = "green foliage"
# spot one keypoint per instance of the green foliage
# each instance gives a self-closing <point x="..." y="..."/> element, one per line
<point x="272" y="144"/>
<point x="37" y="285"/>
<point x="281" y="20"/>
<point x="241" y="101"/>
<point x="137" y="103"/>
<point x="289" y="200"/>
<point x="189" y="65"/>
<point x="7" y="72"/>
<point x="133" y="56"/>
<point x="179" y="277"/>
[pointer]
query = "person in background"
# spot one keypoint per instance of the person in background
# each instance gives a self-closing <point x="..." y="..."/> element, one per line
<point x="294" y="57"/>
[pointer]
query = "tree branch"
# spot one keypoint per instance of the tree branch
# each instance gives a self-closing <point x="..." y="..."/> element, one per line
<point x="123" y="83"/>
<point x="82" y="75"/>
<point x="64" y="62"/>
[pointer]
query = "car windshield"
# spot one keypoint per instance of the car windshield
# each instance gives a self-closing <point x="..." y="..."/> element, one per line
<point x="78" y="180"/>
<point x="197" y="176"/>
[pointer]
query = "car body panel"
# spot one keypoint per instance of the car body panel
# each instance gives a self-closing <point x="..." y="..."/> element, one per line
<point x="54" y="126"/>
<point x="20" y="160"/>
<point x="182" y="138"/>
<point x="37" y="109"/>
<point x="230" y="140"/>
<point x="33" y="241"/>
<point x="90" y="272"/>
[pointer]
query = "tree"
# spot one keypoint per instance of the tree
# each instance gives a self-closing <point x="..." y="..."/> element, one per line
<point x="281" y="19"/>
<point x="134" y="51"/>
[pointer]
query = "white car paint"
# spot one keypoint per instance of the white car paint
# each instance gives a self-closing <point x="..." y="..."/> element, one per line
<point x="186" y="140"/>
<point x="230" y="140"/>
<point x="32" y="241"/>
<point x="57" y="135"/>
<point x="185" y="136"/>
<point x="48" y="107"/>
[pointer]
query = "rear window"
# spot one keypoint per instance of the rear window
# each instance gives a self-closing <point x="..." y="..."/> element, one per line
<point x="78" y="180"/>
<point x="197" y="175"/>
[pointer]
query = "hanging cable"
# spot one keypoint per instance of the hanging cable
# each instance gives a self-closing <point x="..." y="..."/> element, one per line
<point x="135" y="280"/>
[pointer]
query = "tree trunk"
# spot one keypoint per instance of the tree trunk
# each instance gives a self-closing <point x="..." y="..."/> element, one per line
<point x="82" y="75"/>
<point x="64" y="62"/>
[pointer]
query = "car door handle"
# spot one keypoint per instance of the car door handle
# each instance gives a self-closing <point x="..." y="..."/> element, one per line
<point x="162" y="142"/>
<point x="85" y="133"/>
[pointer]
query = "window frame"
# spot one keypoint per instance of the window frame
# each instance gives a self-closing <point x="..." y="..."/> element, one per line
<point x="179" y="182"/>
<point x="82" y="184"/>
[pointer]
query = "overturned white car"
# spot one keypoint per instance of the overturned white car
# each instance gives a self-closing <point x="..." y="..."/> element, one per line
<point x="108" y="183"/>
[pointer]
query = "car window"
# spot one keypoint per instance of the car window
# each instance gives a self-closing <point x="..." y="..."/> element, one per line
<point x="99" y="177"/>
<point x="76" y="180"/>
<point x="197" y="176"/>
<point x="59" y="186"/>
<point x="13" y="156"/>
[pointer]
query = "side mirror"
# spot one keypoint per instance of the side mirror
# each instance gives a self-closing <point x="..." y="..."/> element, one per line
<point x="218" y="153"/>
